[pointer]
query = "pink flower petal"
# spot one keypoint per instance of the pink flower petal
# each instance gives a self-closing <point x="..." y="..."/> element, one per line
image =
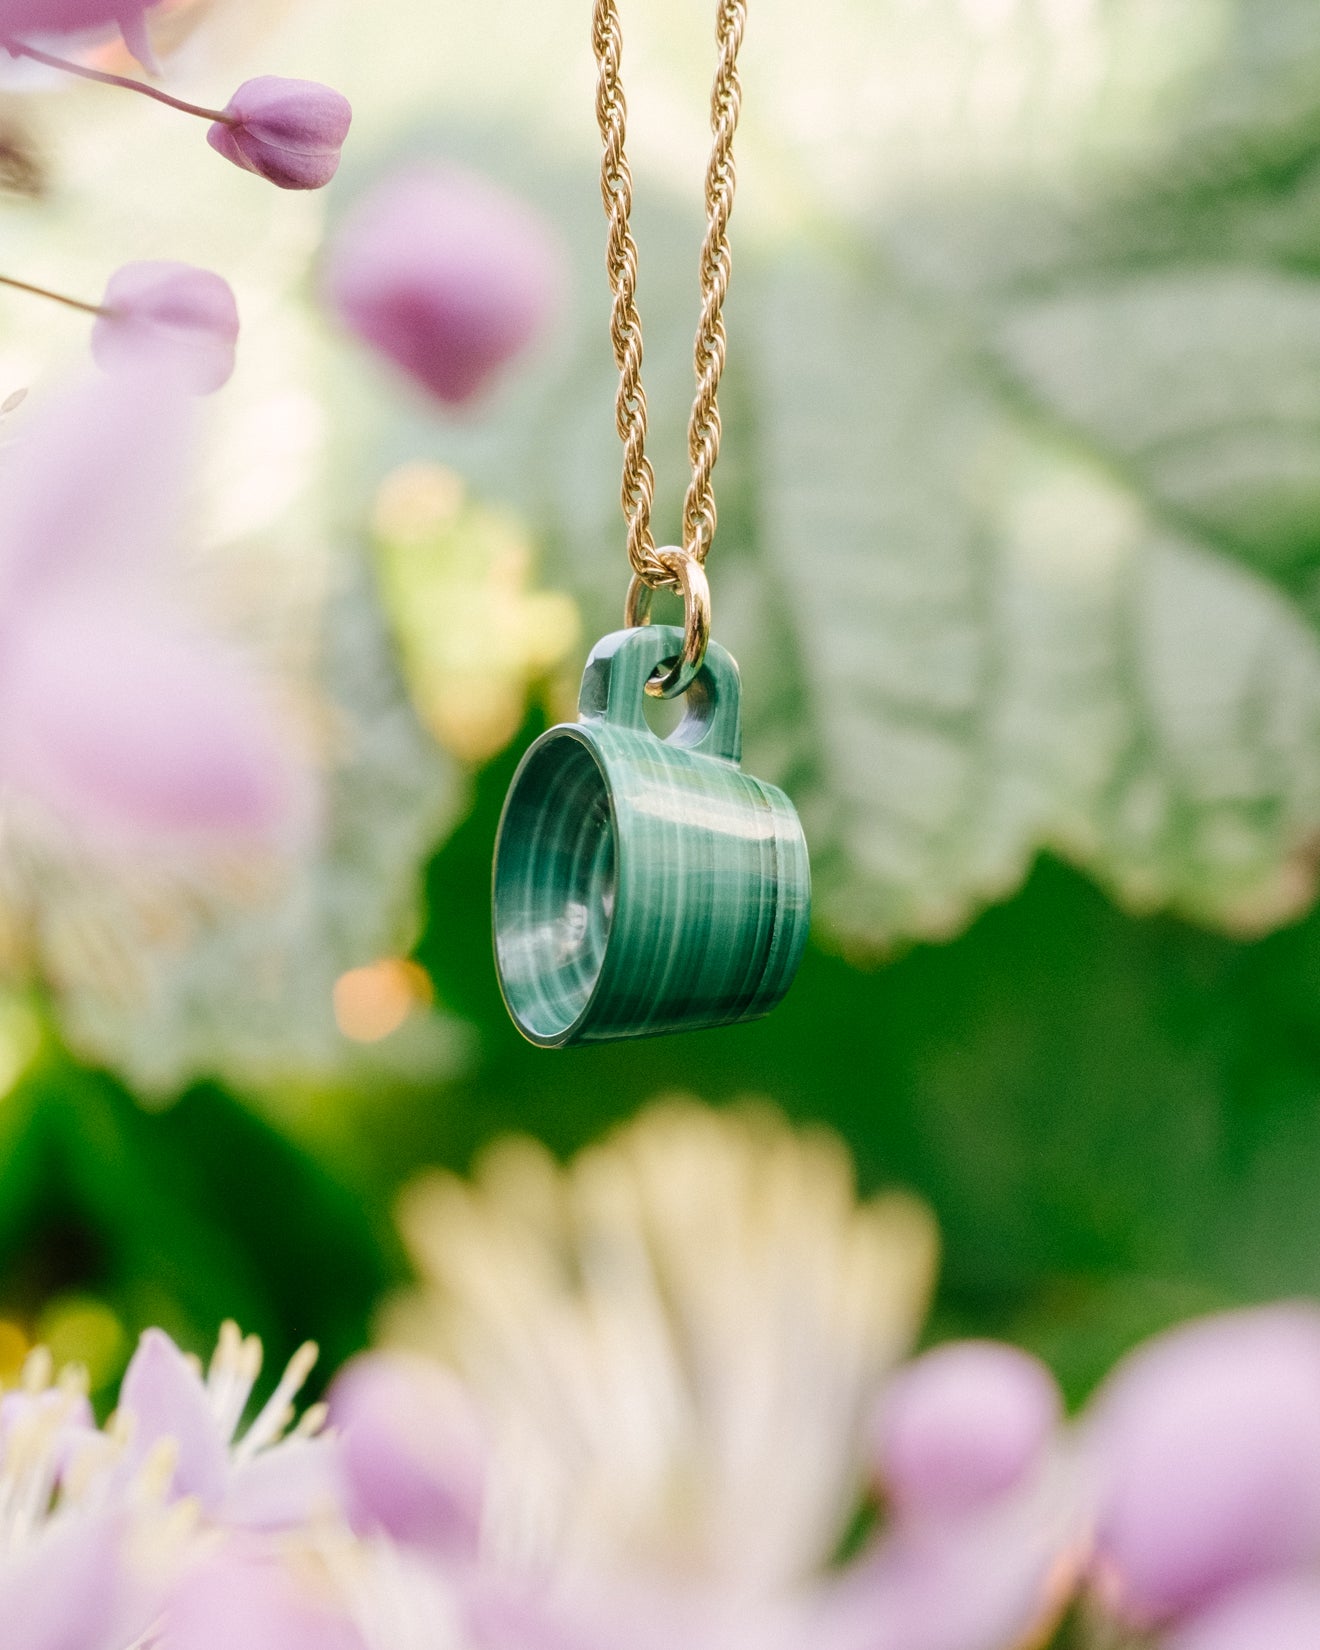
<point x="73" y="1409"/>
<point x="414" y="1452"/>
<point x="93" y="486"/>
<point x="171" y="314"/>
<point x="113" y="712"/>
<point x="687" y="1612"/>
<point x="27" y="19"/>
<point x="286" y="1485"/>
<point x="245" y="1601"/>
<point x="1272" y="1615"/>
<point x="132" y="20"/>
<point x="1207" y="1446"/>
<point x="446" y="275"/>
<point x="165" y="1396"/>
<point x="985" y="1583"/>
<point x="131" y="729"/>
<point x="963" y="1425"/>
<point x="289" y="132"/>
<point x="69" y="1591"/>
<point x="21" y="1413"/>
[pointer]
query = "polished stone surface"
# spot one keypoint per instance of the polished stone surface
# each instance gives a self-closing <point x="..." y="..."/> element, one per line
<point x="645" y="885"/>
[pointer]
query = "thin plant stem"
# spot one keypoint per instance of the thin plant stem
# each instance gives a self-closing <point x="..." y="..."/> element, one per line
<point x="16" y="48"/>
<point x="59" y="297"/>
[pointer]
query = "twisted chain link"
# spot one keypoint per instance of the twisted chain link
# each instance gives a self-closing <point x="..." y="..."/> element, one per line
<point x="716" y="266"/>
<point x="638" y="490"/>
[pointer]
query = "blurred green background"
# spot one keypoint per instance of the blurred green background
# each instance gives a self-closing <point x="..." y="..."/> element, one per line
<point x="1020" y="529"/>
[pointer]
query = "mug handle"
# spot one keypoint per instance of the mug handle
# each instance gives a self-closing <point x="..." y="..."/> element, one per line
<point x="614" y="685"/>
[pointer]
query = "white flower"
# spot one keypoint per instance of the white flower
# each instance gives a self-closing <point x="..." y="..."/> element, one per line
<point x="677" y="1338"/>
<point x="265" y="1478"/>
<point x="170" y="1524"/>
<point x="86" y="1545"/>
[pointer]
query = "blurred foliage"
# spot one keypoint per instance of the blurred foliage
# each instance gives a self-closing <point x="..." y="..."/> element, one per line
<point x="474" y="636"/>
<point x="112" y="1218"/>
<point x="243" y="988"/>
<point x="1020" y="517"/>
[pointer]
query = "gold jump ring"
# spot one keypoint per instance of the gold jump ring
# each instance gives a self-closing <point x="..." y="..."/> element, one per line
<point x="689" y="576"/>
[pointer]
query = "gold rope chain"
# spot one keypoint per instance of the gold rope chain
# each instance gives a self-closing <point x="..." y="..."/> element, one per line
<point x="659" y="569"/>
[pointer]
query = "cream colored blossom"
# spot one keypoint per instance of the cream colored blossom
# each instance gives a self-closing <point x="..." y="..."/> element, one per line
<point x="677" y="1336"/>
<point x="88" y="1541"/>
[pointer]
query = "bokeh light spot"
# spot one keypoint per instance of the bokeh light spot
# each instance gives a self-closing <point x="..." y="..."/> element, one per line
<point x="20" y="1038"/>
<point x="373" y="1001"/>
<point x="476" y="635"/>
<point x="78" y="1329"/>
<point x="14" y="1348"/>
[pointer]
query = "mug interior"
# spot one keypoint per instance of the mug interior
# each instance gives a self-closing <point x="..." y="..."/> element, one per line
<point x="554" y="887"/>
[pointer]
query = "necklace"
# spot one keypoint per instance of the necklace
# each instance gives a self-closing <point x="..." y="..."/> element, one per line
<point x="645" y="885"/>
<point x="679" y="569"/>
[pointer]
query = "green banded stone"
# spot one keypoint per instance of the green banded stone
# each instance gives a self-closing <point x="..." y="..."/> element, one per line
<point x="645" y="885"/>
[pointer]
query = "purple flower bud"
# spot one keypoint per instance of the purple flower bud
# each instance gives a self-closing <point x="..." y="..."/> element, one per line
<point x="1272" y="1615"/>
<point x="963" y="1425"/>
<point x="414" y="1452"/>
<point x="444" y="273"/>
<point x="287" y="131"/>
<point x="179" y="316"/>
<point x="1206" y="1447"/>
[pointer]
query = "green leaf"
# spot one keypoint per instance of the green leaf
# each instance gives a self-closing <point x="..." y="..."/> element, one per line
<point x="1003" y="644"/>
<point x="181" y="1220"/>
<point x="1202" y="382"/>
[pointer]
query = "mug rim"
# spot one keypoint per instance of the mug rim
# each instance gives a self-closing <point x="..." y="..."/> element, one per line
<point x="574" y="732"/>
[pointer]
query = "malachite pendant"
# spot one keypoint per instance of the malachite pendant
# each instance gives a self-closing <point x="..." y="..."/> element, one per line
<point x="645" y="884"/>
